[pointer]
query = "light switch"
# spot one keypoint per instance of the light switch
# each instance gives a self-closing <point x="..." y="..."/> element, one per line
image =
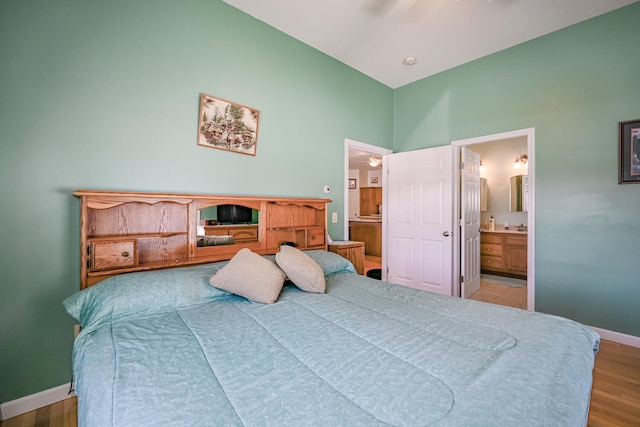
<point x="334" y="217"/>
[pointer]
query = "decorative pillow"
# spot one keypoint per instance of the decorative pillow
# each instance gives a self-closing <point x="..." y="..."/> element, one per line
<point x="143" y="292"/>
<point x="301" y="269"/>
<point x="251" y="276"/>
<point x="331" y="262"/>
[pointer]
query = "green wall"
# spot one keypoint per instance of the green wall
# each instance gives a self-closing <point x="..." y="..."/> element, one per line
<point x="105" y="95"/>
<point x="573" y="86"/>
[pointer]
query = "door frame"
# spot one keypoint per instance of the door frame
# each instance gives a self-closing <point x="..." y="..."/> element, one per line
<point x="373" y="149"/>
<point x="529" y="133"/>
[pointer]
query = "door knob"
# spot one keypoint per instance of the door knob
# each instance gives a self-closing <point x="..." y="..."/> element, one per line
<point x="445" y="234"/>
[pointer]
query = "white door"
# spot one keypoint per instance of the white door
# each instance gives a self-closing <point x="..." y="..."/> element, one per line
<point x="470" y="222"/>
<point x="419" y="219"/>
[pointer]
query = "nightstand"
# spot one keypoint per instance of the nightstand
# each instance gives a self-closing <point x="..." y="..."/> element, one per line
<point x="351" y="250"/>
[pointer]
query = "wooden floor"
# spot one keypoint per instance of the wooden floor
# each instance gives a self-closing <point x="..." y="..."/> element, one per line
<point x="615" y="398"/>
<point x="503" y="295"/>
<point x="371" y="262"/>
<point x="60" y="414"/>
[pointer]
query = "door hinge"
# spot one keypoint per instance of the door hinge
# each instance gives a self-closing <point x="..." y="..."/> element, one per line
<point x="461" y="165"/>
<point x="461" y="279"/>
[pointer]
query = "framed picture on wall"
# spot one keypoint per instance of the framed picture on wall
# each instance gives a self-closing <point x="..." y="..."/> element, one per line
<point x="352" y="184"/>
<point x="374" y="179"/>
<point x="629" y="152"/>
<point x="228" y="126"/>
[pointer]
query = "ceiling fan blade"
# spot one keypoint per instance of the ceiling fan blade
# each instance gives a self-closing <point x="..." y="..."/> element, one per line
<point x="382" y="7"/>
<point x="378" y="7"/>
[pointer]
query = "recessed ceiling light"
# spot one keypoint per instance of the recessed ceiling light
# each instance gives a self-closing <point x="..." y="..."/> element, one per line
<point x="409" y="60"/>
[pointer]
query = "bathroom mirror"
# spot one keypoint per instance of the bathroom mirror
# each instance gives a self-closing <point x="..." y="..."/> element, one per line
<point x="519" y="193"/>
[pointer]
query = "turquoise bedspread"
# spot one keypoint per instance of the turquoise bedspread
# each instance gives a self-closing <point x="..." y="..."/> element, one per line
<point x="366" y="353"/>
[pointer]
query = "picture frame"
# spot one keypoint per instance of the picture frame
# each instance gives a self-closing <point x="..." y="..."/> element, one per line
<point x="226" y="125"/>
<point x="629" y="152"/>
<point x="352" y="184"/>
<point x="374" y="179"/>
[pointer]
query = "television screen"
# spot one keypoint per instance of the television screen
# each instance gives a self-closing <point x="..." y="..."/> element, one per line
<point x="234" y="214"/>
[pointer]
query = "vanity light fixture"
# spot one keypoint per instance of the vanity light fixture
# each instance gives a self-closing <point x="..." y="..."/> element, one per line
<point x="521" y="162"/>
<point x="374" y="162"/>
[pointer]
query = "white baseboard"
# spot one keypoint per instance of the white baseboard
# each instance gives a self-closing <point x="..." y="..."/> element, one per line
<point x="618" y="337"/>
<point x="30" y="403"/>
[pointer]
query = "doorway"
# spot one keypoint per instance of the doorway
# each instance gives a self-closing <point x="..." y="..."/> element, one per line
<point x="363" y="168"/>
<point x="525" y="137"/>
<point x="529" y="135"/>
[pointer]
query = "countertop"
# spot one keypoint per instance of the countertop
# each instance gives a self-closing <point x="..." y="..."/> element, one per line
<point x="372" y="218"/>
<point x="346" y="243"/>
<point x="504" y="231"/>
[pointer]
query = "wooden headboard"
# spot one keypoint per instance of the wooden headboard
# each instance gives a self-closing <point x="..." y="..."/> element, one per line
<point x="121" y="232"/>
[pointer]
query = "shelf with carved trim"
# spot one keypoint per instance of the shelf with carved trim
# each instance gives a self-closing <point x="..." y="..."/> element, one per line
<point x="123" y="232"/>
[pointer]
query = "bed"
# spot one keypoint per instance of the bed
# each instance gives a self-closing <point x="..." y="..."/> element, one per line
<point x="167" y="347"/>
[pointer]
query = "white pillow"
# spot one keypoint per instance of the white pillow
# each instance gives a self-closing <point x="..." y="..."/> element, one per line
<point x="251" y="276"/>
<point x="301" y="269"/>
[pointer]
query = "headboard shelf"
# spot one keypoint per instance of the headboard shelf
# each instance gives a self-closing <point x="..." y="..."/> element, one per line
<point x="122" y="232"/>
<point x="138" y="235"/>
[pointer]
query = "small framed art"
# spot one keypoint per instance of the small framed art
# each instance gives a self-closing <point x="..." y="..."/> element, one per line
<point x="352" y="184"/>
<point x="228" y="126"/>
<point x="629" y="152"/>
<point x="374" y="179"/>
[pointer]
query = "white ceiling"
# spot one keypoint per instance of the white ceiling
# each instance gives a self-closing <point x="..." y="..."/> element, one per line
<point x="374" y="36"/>
<point x="359" y="159"/>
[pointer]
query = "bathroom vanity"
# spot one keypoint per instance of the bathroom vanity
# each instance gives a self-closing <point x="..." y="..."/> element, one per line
<point x="504" y="253"/>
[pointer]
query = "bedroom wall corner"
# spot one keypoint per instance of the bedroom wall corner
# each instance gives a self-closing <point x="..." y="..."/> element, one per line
<point x="573" y="87"/>
<point x="105" y="95"/>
